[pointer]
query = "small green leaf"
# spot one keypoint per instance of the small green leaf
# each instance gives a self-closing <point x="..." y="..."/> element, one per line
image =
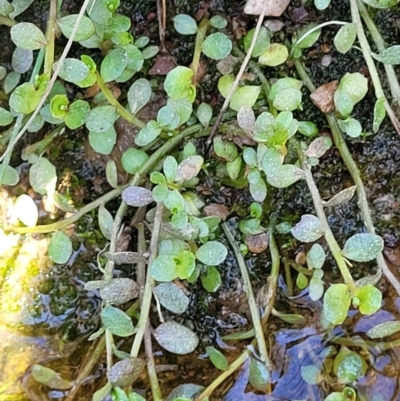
<point x="318" y="147"/>
<point x="24" y="99"/>
<point x="316" y="286"/>
<point x="117" y="321"/>
<point x="275" y="55"/>
<point x="211" y="281"/>
<point x="28" y="36"/>
<point x="43" y="176"/>
<point x="379" y="114"/>
<point x="133" y="159"/>
<point x="85" y="30"/>
<point x="308" y="129"/>
<point x="59" y="105"/>
<point x="218" y="22"/>
<point x="139" y="95"/>
<point x="170" y="168"/>
<point x="258" y="190"/>
<point x="217" y="46"/>
<point x="363" y="247"/>
<point x="137" y="196"/>
<point x="384" y="329"/>
<point x="301" y="281"/>
<point x="244" y="96"/>
<point x="148" y="134"/>
<point x="262" y="42"/>
<point x="350" y="126"/>
<point x="72" y="70"/>
<point x="226" y="150"/>
<point x="163" y="268"/>
<point x="11" y="81"/>
<point x="189" y="168"/>
<point x="101" y="119"/>
<point x="217" y="358"/>
<point x="26" y="210"/>
<point x="204" y="114"/>
<point x="212" y="253"/>
<point x="259" y="376"/>
<point x="119" y="291"/>
<point x="336" y="312"/>
<point x="288" y="99"/>
<point x="77" y="113"/>
<point x="171" y="297"/>
<point x="185" y="263"/>
<point x="112" y="174"/>
<point x="106" y="222"/>
<point x="369" y="299"/>
<point x="316" y="257"/>
<point x="348" y="366"/>
<point x="124" y="373"/>
<point x="22" y="60"/>
<point x="11" y="176"/>
<point x="342" y="197"/>
<point x="390" y="56"/>
<point x="178" y="84"/>
<point x="345" y="37"/>
<point x="176" y="338"/>
<point x="322" y="4"/>
<point x="309" y="229"/>
<point x="285" y="176"/>
<point x="60" y="248"/>
<point x="308" y="40"/>
<point x="185" y="24"/>
<point x="187" y="390"/>
<point x="103" y="142"/>
<point x="234" y="167"/>
<point x="113" y="64"/>
<point x="6" y="117"/>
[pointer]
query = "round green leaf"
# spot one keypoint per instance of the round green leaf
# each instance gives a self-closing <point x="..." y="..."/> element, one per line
<point x="77" y="114"/>
<point x="103" y="142"/>
<point x="185" y="24"/>
<point x="11" y="176"/>
<point x="204" y="114"/>
<point x="288" y="99"/>
<point x="60" y="248"/>
<point x="322" y="4"/>
<point x="217" y="358"/>
<point x="259" y="375"/>
<point x="6" y="117"/>
<point x="28" y="36"/>
<point x="336" y="312"/>
<point x="369" y="299"/>
<point x="11" y="81"/>
<point x="171" y="297"/>
<point x="137" y="196"/>
<point x="178" y="83"/>
<point x="43" y="176"/>
<point x="148" y="134"/>
<point x="101" y="118"/>
<point x="244" y="96"/>
<point x="22" y="60"/>
<point x="59" y="105"/>
<point x="106" y="222"/>
<point x="163" y="268"/>
<point x="212" y="253"/>
<point x="117" y="321"/>
<point x="211" y="281"/>
<point x="176" y="338"/>
<point x="217" y="46"/>
<point x="85" y="30"/>
<point x="73" y="70"/>
<point x="309" y="229"/>
<point x="284" y="176"/>
<point x="301" y="281"/>
<point x="390" y="56"/>
<point x="275" y="55"/>
<point x="262" y="43"/>
<point x="363" y="247"/>
<point x="119" y="291"/>
<point x="218" y="22"/>
<point x="133" y="159"/>
<point x="113" y="64"/>
<point x="26" y="210"/>
<point x="24" y="99"/>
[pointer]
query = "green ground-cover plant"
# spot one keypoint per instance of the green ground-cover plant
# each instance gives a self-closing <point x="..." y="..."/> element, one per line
<point x="184" y="242"/>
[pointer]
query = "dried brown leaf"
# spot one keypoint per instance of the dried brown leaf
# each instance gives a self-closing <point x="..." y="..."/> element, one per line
<point x="323" y="97"/>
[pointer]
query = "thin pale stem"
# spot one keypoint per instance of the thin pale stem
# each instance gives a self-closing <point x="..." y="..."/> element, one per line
<point x="330" y="239"/>
<point x="366" y="50"/>
<point x="118" y="106"/>
<point x="200" y="36"/>
<point x="380" y="45"/>
<point x="147" y="295"/>
<point x="255" y="314"/>
<point x="50" y="38"/>
<point x="352" y="167"/>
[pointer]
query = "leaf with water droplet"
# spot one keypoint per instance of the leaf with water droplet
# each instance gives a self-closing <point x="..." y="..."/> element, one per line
<point x="217" y="46"/>
<point x="348" y="365"/>
<point x="316" y="257"/>
<point x="345" y="37"/>
<point x="22" y="60"/>
<point x="176" y="338"/>
<point x="171" y="297"/>
<point x="27" y="36"/>
<point x="204" y="114"/>
<point x="316" y="286"/>
<point x="308" y="229"/>
<point x="119" y="291"/>
<point x="212" y="253"/>
<point x="24" y="99"/>
<point x="211" y="281"/>
<point x="163" y="268"/>
<point x="336" y="312"/>
<point x="363" y="247"/>
<point x="379" y="114"/>
<point x="318" y="147"/>
<point x="246" y="119"/>
<point x="189" y="168"/>
<point x="368" y="299"/>
<point x="60" y="248"/>
<point x="139" y="95"/>
<point x="185" y="24"/>
<point x="103" y="142"/>
<point x="284" y="176"/>
<point x="133" y="159"/>
<point x="86" y="28"/>
<point x="259" y="376"/>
